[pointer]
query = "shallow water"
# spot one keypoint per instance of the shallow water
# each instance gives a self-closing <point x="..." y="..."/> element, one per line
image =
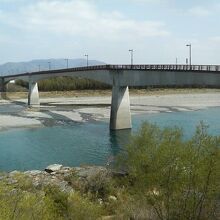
<point x="87" y="143"/>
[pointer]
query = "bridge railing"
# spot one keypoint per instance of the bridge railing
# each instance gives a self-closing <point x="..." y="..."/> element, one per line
<point x="166" y="67"/>
<point x="163" y="67"/>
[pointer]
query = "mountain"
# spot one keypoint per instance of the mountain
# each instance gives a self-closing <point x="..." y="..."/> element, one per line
<point x="43" y="64"/>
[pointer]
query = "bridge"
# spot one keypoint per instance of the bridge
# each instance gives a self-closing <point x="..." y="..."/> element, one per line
<point x="120" y="77"/>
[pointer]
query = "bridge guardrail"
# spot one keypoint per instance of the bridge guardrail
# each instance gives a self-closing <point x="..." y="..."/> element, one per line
<point x="213" y="68"/>
<point x="165" y="67"/>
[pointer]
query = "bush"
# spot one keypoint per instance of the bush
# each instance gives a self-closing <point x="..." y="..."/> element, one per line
<point x="177" y="178"/>
<point x="21" y="205"/>
<point x="21" y="201"/>
<point x="82" y="208"/>
<point x="66" y="84"/>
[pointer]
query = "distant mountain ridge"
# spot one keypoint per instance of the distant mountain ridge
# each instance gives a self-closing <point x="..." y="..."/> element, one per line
<point x="11" y="68"/>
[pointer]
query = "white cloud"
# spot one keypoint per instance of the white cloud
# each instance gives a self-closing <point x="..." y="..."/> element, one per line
<point x="199" y="11"/>
<point x="151" y="1"/>
<point x="215" y="39"/>
<point x="81" y="18"/>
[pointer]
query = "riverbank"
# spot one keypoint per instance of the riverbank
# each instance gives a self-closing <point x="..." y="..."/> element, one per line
<point x="82" y="107"/>
<point x="141" y="92"/>
<point x="57" y="192"/>
<point x="58" y="176"/>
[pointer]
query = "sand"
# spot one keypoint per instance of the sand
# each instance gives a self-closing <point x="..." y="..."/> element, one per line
<point x="82" y="109"/>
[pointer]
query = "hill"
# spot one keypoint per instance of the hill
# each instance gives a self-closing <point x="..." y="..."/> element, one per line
<point x="43" y="64"/>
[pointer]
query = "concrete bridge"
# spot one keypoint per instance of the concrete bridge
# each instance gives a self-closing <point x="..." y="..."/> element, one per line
<point x="120" y="77"/>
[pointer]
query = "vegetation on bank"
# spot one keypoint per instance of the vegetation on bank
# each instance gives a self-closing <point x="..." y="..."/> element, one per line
<point x="162" y="176"/>
<point x="173" y="178"/>
<point x="66" y="84"/>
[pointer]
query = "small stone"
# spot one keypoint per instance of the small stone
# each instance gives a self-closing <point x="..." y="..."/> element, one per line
<point x="100" y="201"/>
<point x="66" y="168"/>
<point x="112" y="198"/>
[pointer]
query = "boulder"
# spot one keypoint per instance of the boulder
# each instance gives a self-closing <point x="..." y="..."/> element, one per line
<point x="33" y="172"/>
<point x="89" y="171"/>
<point x="53" y="168"/>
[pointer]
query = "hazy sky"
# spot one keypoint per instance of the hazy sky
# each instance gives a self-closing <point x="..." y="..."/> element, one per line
<point x="157" y="30"/>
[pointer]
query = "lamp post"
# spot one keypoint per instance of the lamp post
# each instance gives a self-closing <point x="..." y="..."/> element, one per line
<point x="67" y="63"/>
<point x="39" y="68"/>
<point x="49" y="63"/>
<point x="132" y="56"/>
<point x="190" y="53"/>
<point x="87" y="59"/>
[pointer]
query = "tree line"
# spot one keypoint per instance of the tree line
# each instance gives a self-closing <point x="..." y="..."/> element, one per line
<point x="66" y="84"/>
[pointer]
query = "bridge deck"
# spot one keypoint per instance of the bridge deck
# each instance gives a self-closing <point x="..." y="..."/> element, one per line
<point x="153" y="67"/>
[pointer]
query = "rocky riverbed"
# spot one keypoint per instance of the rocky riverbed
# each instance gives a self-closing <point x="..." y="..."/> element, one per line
<point x="63" y="110"/>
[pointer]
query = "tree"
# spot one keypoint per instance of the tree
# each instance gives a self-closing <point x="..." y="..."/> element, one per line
<point x="176" y="178"/>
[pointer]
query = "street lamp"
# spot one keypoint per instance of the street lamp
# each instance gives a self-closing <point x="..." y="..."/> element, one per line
<point x="132" y="56"/>
<point x="87" y="59"/>
<point x="67" y="63"/>
<point x="49" y="63"/>
<point x="39" y="68"/>
<point x="190" y="53"/>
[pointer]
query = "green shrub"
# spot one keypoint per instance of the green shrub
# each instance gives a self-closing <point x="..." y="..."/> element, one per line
<point x="66" y="84"/>
<point x="83" y="209"/>
<point x="21" y="205"/>
<point x="177" y="178"/>
<point x="20" y="201"/>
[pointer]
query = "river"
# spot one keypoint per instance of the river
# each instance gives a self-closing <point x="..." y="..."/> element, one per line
<point x="87" y="143"/>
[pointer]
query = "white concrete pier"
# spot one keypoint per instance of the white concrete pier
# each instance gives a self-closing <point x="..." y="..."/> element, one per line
<point x="33" y="94"/>
<point x="120" y="108"/>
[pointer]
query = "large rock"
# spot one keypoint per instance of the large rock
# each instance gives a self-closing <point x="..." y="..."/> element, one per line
<point x="33" y="172"/>
<point x="54" y="168"/>
<point x="89" y="171"/>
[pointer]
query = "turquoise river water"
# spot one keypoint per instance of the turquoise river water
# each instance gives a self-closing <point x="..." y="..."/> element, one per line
<point x="86" y="143"/>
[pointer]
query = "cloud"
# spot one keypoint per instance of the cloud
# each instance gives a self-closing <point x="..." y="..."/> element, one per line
<point x="215" y="39"/>
<point x="150" y="1"/>
<point x="81" y="18"/>
<point x="199" y="11"/>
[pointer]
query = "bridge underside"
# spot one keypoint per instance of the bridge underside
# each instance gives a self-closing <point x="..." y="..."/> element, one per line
<point x="120" y="80"/>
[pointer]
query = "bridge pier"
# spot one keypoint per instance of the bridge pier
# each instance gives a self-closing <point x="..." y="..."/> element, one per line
<point x="120" y="108"/>
<point x="3" y="89"/>
<point x="33" y="94"/>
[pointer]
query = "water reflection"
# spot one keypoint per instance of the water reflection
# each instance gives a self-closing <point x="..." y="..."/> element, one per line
<point x="119" y="139"/>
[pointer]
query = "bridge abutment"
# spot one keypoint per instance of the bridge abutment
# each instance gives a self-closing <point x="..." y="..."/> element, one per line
<point x="33" y="94"/>
<point x="120" y="108"/>
<point x="3" y="89"/>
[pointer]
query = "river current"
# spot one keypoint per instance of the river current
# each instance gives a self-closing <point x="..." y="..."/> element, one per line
<point x="87" y="143"/>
